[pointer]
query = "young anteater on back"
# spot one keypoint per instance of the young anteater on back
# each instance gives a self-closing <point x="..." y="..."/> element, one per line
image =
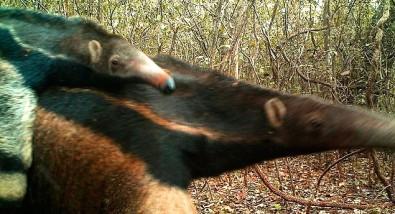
<point x="40" y="50"/>
<point x="85" y="42"/>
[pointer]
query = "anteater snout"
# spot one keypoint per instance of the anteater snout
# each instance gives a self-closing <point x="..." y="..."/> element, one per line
<point x="168" y="86"/>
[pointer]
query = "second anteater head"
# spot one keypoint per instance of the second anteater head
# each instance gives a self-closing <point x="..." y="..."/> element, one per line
<point x="117" y="57"/>
<point x="114" y="55"/>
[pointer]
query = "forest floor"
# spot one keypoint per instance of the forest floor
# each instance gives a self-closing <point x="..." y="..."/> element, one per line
<point x="352" y="181"/>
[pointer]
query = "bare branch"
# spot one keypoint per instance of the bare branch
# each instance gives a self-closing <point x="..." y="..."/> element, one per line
<point x="305" y="202"/>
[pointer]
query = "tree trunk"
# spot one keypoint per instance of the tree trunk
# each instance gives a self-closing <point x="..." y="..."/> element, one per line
<point x="325" y="18"/>
<point x="376" y="58"/>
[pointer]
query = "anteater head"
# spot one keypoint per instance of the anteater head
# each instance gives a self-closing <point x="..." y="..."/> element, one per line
<point x="117" y="57"/>
<point x="309" y="123"/>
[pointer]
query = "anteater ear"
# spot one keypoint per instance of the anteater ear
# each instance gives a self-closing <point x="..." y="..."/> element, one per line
<point x="95" y="50"/>
<point x="275" y="112"/>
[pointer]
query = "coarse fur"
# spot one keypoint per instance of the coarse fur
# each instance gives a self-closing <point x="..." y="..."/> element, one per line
<point x="100" y="152"/>
<point x="17" y="104"/>
<point x="24" y="73"/>
<point x="59" y="22"/>
<point x="48" y="31"/>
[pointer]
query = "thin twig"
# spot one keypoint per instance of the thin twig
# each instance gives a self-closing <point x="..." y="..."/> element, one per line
<point x="302" y="32"/>
<point x="333" y="164"/>
<point x="379" y="173"/>
<point x="305" y="202"/>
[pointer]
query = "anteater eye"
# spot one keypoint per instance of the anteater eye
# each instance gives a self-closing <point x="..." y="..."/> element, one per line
<point x="114" y="62"/>
<point x="315" y="124"/>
